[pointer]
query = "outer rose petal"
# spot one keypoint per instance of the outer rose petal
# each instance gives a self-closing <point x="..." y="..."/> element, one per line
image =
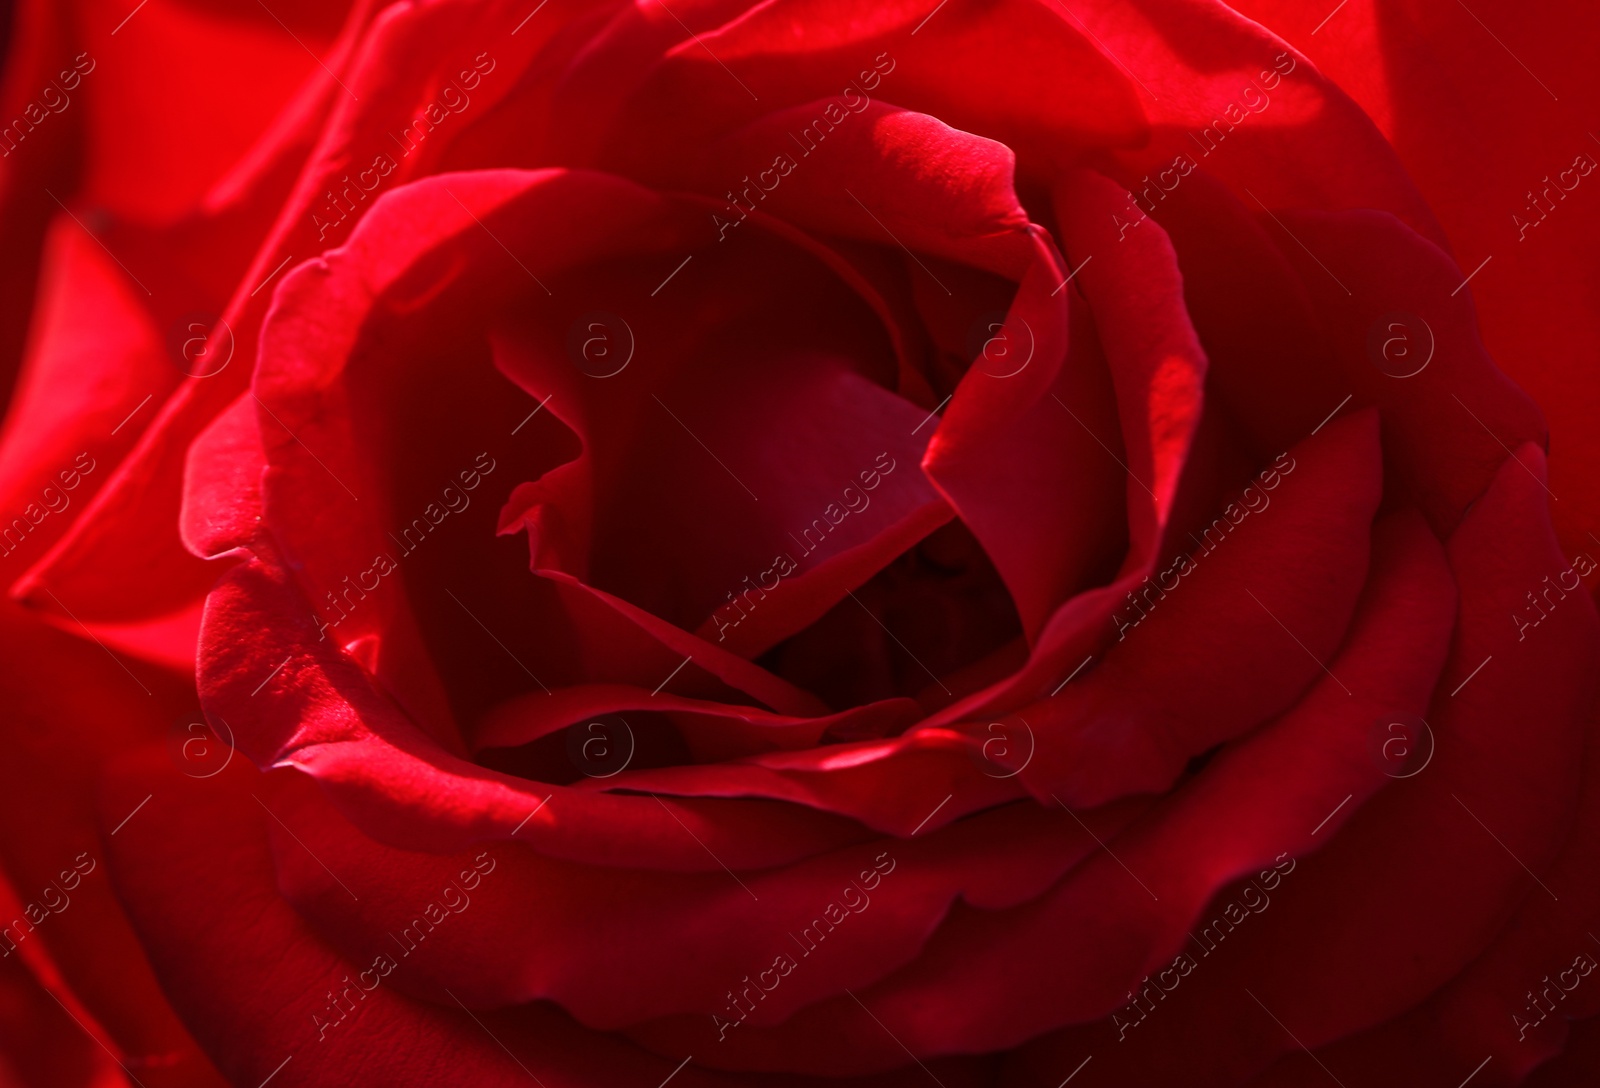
<point x="1491" y="1006"/>
<point x="95" y="355"/>
<point x="38" y="37"/>
<point x="572" y="933"/>
<point x="151" y="161"/>
<point x="1415" y="886"/>
<point x="39" y="1043"/>
<point x="1236" y="641"/>
<point x="1482" y="105"/>
<point x="1127" y="912"/>
<point x="71" y="708"/>
<point x="800" y="52"/>
<point x="396" y="67"/>
<point x="1446" y="428"/>
<point x="207" y="926"/>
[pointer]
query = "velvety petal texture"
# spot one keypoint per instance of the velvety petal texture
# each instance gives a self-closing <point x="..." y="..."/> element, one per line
<point x="1014" y="543"/>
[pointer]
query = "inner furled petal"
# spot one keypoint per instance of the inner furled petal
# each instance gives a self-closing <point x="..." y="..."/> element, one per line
<point x="740" y="524"/>
<point x="873" y="172"/>
<point x="1027" y="450"/>
<point x="926" y="213"/>
<point x="919" y="624"/>
<point x="391" y="440"/>
<point x="1125" y="411"/>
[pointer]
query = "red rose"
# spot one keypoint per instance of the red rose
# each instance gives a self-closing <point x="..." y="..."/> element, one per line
<point x="747" y="544"/>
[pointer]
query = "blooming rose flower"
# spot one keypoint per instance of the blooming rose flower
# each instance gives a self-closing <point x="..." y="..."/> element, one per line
<point x="799" y="543"/>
